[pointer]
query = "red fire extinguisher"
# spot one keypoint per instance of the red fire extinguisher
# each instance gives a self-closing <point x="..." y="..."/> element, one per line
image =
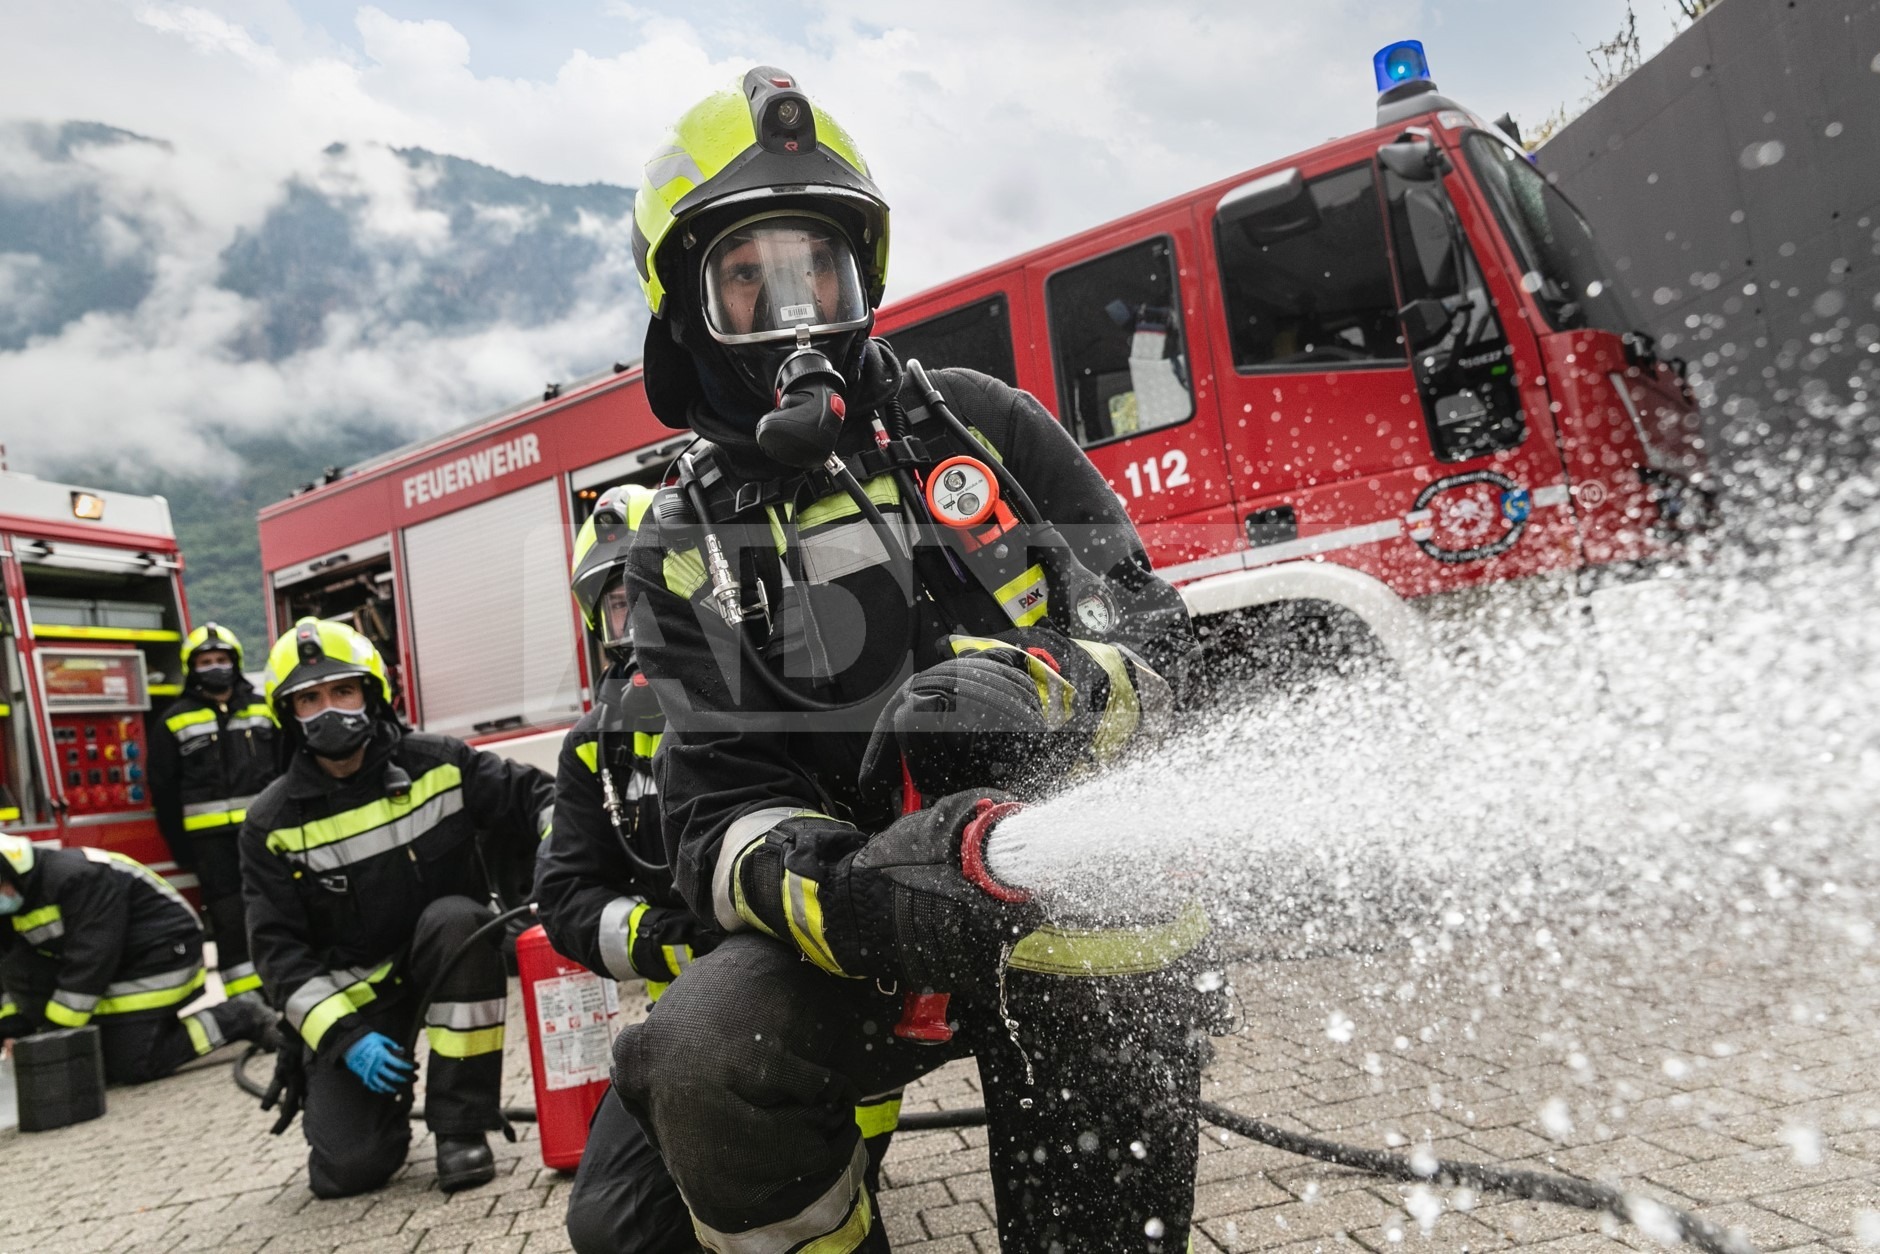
<point x="571" y="1034"/>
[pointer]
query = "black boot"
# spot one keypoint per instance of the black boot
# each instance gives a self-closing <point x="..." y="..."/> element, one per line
<point x="464" y="1161"/>
<point x="248" y="1018"/>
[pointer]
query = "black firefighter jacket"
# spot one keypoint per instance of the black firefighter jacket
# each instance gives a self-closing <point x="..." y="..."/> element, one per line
<point x="99" y="934"/>
<point x="738" y="761"/>
<point x="208" y="760"/>
<point x="598" y="908"/>
<point x="336" y="872"/>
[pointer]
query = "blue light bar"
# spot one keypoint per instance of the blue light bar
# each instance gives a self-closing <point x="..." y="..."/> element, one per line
<point x="1399" y="63"/>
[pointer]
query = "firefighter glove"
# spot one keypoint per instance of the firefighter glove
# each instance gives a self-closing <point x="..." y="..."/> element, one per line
<point x="379" y="1063"/>
<point x="288" y="1088"/>
<point x="661" y="942"/>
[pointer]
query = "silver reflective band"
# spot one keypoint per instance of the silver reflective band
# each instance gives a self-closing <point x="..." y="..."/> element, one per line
<point x="45" y="932"/>
<point x="820" y="1218"/>
<point x="467" y="1016"/>
<point x="383" y="839"/>
<point x="210" y="1028"/>
<point x="81" y="1002"/>
<point x="218" y="807"/>
<point x="253" y="722"/>
<point x="612" y="940"/>
<point x="162" y="981"/>
<point x="321" y="987"/>
<point x="744" y="832"/>
<point x="195" y="730"/>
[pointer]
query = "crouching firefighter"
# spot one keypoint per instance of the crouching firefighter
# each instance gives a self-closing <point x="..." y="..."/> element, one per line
<point x="877" y="592"/>
<point x="95" y="937"/>
<point x="211" y="753"/>
<point x="366" y="866"/>
<point x="605" y="895"/>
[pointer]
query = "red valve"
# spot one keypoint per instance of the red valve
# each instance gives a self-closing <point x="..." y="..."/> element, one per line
<point x="924" y="1019"/>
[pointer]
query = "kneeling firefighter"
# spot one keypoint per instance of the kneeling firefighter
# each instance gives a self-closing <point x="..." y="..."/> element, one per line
<point x="874" y="592"/>
<point x="96" y="937"/>
<point x="365" y="868"/>
<point x="605" y="895"/>
<point x="211" y="753"/>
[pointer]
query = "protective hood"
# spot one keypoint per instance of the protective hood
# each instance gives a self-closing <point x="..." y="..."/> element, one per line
<point x="18" y="860"/>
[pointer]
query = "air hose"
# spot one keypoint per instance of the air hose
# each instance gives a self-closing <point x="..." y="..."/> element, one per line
<point x="1536" y="1186"/>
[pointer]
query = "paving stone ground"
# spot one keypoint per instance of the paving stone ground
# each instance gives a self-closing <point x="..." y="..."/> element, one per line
<point x="1745" y="1087"/>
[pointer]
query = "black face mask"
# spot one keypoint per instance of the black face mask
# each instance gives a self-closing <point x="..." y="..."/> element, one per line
<point x="336" y="733"/>
<point x="214" y="678"/>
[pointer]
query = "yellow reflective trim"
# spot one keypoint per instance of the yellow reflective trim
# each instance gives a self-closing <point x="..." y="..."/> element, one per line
<point x="153" y="1000"/>
<point x="105" y="633"/>
<point x="5" y="709"/>
<point x="257" y="710"/>
<point x="684" y="573"/>
<point x="64" y="1016"/>
<point x="590" y="754"/>
<point x="881" y="490"/>
<point x="851" y="1234"/>
<point x="655" y="988"/>
<point x="242" y="984"/>
<point x="35" y="918"/>
<point x="1033" y="577"/>
<point x="224" y="818"/>
<point x="348" y="823"/>
<point x="166" y="690"/>
<point x="1122" y="715"/>
<point x="188" y="718"/>
<point x="986" y="444"/>
<point x="879" y="1118"/>
<point x="330" y="1011"/>
<point x="452" y="1043"/>
<point x="646" y="744"/>
<point x="803" y="910"/>
<point x="776" y="528"/>
<point x="1110" y="951"/>
<point x="197" y="1036"/>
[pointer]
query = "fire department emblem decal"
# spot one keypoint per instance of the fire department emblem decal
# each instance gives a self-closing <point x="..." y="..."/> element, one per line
<point x="1467" y="517"/>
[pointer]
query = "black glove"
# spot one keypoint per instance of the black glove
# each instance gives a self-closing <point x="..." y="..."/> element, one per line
<point x="913" y="903"/>
<point x="934" y="911"/>
<point x="288" y="1088"/>
<point x="998" y="718"/>
<point x="662" y="941"/>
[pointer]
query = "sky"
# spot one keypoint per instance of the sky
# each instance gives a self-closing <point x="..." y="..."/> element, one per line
<point x="991" y="125"/>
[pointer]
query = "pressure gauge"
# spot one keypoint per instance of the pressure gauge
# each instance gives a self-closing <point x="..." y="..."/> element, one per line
<point x="961" y="491"/>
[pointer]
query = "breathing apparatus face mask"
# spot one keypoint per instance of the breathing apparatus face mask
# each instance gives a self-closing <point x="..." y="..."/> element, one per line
<point x="783" y="295"/>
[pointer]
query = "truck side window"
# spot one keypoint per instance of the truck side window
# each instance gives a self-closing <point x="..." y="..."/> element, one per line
<point x="977" y="336"/>
<point x="1122" y="360"/>
<point x="1307" y="282"/>
<point x="1465" y="374"/>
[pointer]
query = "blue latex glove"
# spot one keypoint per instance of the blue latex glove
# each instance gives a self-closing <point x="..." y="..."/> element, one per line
<point x="376" y="1059"/>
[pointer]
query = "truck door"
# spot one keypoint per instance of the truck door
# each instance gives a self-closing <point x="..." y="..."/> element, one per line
<point x="1133" y="386"/>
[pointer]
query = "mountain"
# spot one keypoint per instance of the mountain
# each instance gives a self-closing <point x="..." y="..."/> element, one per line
<point x="222" y="344"/>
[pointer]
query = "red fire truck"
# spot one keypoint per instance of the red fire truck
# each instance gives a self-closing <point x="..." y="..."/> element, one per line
<point x="1333" y="390"/>
<point x="91" y="627"/>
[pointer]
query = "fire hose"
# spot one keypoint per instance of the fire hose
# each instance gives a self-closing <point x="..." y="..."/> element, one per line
<point x="1537" y="1186"/>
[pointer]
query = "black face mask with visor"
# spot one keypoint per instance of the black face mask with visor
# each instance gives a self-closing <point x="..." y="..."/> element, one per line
<point x="783" y="297"/>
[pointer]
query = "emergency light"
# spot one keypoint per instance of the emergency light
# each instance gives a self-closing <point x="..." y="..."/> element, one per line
<point x="1400" y="63"/>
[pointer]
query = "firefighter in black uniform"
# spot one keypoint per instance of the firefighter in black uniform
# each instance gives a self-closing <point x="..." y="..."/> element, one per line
<point x="95" y="937"/>
<point x="605" y="896"/>
<point x="211" y="753"/>
<point x="365" y="867"/>
<point x="875" y="593"/>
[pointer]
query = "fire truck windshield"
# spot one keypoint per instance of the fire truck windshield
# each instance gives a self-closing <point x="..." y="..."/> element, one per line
<point x="1561" y="262"/>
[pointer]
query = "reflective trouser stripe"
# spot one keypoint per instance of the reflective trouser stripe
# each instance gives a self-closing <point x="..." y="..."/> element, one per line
<point x="451" y="1043"/>
<point x="240" y="978"/>
<point x="204" y="1032"/>
<point x="876" y="1118"/>
<point x="835" y="1223"/>
<point x="465" y="1029"/>
<point x="619" y="920"/>
<point x="58" y="1012"/>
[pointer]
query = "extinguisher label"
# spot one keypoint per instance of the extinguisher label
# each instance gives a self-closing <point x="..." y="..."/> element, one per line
<point x="576" y="1016"/>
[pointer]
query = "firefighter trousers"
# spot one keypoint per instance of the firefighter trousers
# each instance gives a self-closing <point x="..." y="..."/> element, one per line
<point x="746" y="1074"/>
<point x="138" y="1046"/>
<point x="219" y="869"/>
<point x="624" y="1200"/>
<point x="359" y="1138"/>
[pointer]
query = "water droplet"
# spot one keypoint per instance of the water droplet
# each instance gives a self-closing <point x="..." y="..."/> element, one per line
<point x="1088" y="1142"/>
<point x="1025" y="1103"/>
<point x="1138" y="1149"/>
<point x="1155" y="1229"/>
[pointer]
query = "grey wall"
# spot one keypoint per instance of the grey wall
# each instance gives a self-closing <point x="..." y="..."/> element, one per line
<point x="1735" y="180"/>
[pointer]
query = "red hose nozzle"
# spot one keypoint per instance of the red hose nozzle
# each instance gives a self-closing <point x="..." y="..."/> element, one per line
<point x="986" y="815"/>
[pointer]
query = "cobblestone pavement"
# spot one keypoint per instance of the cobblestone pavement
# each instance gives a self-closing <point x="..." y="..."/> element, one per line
<point x="1746" y="1088"/>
